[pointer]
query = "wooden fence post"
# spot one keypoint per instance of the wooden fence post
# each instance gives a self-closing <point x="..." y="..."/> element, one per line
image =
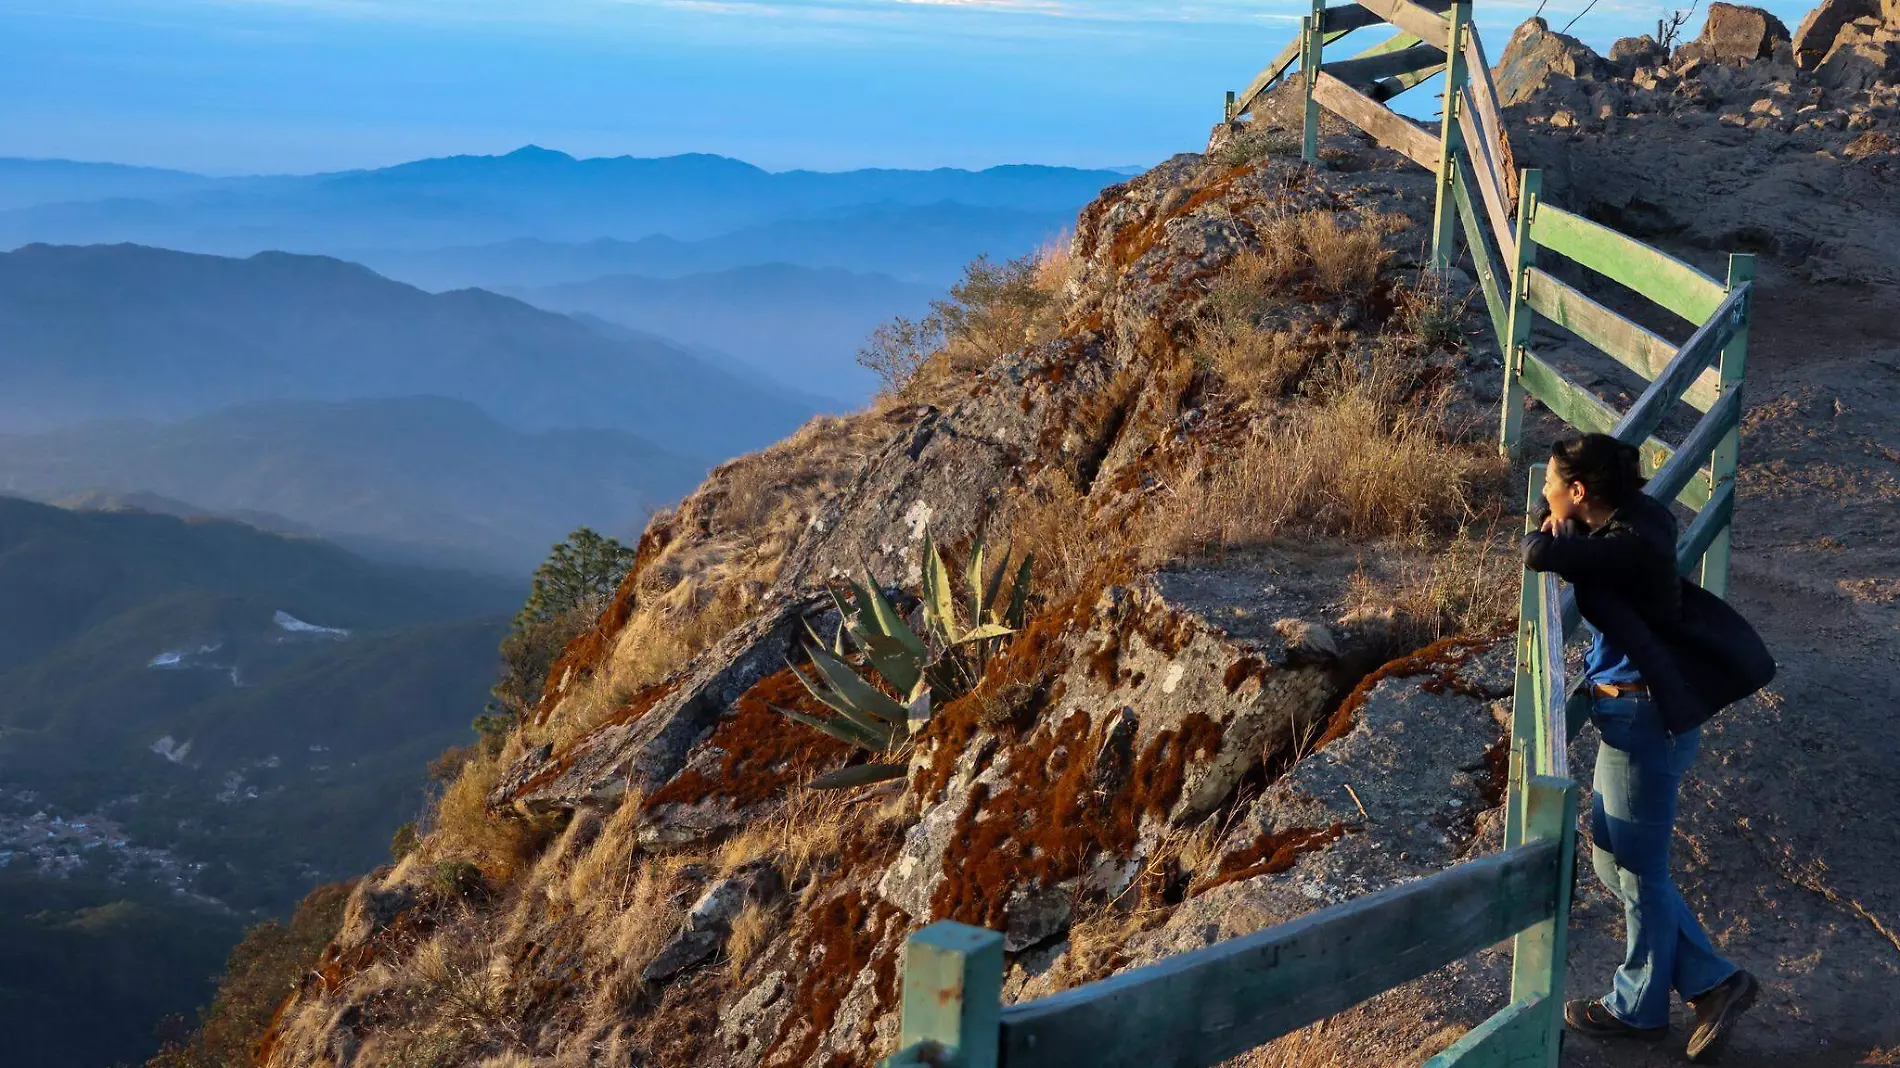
<point x="1524" y="689"/>
<point x="1444" y="211"/>
<point x="1313" y="34"/>
<point x="1232" y="97"/>
<point x="1530" y="186"/>
<point x="1729" y="369"/>
<point x="952" y="1000"/>
<point x="1538" y="954"/>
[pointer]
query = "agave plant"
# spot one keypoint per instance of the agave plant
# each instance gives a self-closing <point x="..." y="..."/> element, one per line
<point x="940" y="664"/>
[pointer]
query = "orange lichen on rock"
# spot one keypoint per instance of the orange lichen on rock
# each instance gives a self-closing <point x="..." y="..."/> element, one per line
<point x="844" y="937"/>
<point x="1440" y="660"/>
<point x="1270" y="855"/>
<point x="764" y="752"/>
<point x="1048" y="819"/>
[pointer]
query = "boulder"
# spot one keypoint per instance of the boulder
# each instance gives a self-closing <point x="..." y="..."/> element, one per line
<point x="1815" y="37"/>
<point x="650" y="738"/>
<point x="1631" y="53"/>
<point x="1735" y="34"/>
<point x="1862" y="57"/>
<point x="1538" y="62"/>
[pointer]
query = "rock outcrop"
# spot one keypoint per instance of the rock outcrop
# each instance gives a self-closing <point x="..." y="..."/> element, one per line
<point x="1731" y="143"/>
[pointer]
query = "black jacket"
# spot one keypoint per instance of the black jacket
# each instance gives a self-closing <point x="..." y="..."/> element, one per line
<point x="1697" y="654"/>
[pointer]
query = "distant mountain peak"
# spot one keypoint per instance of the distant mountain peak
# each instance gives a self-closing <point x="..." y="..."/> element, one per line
<point x="535" y="153"/>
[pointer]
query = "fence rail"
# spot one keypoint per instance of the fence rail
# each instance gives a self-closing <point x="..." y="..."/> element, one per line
<point x="1201" y="1008"/>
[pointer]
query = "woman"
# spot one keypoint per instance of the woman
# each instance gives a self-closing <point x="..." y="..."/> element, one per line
<point x="1617" y="547"/>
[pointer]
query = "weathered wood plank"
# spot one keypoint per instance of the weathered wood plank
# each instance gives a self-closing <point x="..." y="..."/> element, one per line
<point x="1310" y="61"/>
<point x="1714" y="577"/>
<point x="953" y="988"/>
<point x="1485" y="92"/>
<point x="1524" y="683"/>
<point x="1630" y="344"/>
<point x="1485" y="174"/>
<point x="1539" y="952"/>
<point x="1444" y="212"/>
<point x="1657" y="275"/>
<point x="1511" y="419"/>
<point x="1512" y="1038"/>
<point x="1415" y="19"/>
<point x="1553" y="756"/>
<point x="1586" y="411"/>
<point x="1387" y="126"/>
<point x="1690" y="361"/>
<point x="1370" y="69"/>
<point x="1677" y="478"/>
<point x="1489" y="281"/>
<point x="1200" y="1008"/>
<point x="1711" y="521"/>
<point x="1347" y="17"/>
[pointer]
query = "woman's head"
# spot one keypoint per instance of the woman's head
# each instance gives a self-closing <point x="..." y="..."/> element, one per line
<point x="1591" y="476"/>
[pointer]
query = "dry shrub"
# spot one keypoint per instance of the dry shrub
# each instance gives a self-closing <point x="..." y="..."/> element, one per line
<point x="1369" y="457"/>
<point x="603" y="870"/>
<point x="1345" y="260"/>
<point x="464" y="828"/>
<point x="1050" y="519"/>
<point x="1055" y="263"/>
<point x="451" y="972"/>
<point x="1257" y="360"/>
<point x="752" y="929"/>
<point x="644" y="917"/>
<point x="1466" y="584"/>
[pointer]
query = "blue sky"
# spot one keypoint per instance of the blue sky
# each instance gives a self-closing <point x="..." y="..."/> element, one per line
<point x="248" y="86"/>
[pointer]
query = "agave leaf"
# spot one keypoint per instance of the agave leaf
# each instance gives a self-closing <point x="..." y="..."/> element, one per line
<point x="837" y="641"/>
<point x="973" y="577"/>
<point x="890" y="659"/>
<point x="861" y="696"/>
<point x="985" y="632"/>
<point x="861" y="775"/>
<point x="939" y="606"/>
<point x="888" y="621"/>
<point x="839" y="729"/>
<point x="919" y="707"/>
<point x="993" y="588"/>
<point x="842" y="703"/>
<point x="1019" y="594"/>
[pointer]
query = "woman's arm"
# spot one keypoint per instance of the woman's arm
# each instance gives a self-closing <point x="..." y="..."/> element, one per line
<point x="1580" y="559"/>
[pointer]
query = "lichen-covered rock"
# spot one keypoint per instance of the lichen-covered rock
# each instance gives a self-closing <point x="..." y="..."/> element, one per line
<point x="1815" y="36"/>
<point x="1735" y="33"/>
<point x="649" y="741"/>
<point x="1538" y="61"/>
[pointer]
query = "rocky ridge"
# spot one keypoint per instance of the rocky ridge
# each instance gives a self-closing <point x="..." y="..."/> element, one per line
<point x="1179" y="747"/>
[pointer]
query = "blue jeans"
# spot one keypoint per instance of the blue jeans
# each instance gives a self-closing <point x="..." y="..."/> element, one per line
<point x="1632" y="820"/>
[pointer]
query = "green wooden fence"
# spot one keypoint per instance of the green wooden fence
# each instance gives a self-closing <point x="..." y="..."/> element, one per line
<point x="1198" y="1009"/>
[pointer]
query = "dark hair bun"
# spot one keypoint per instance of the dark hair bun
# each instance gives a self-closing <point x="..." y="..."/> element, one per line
<point x="1611" y="471"/>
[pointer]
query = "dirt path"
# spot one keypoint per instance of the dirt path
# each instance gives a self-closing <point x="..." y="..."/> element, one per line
<point x="1789" y="846"/>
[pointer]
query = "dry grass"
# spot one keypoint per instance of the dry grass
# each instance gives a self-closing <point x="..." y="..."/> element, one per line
<point x="1340" y="260"/>
<point x="1346" y="259"/>
<point x="1465" y="584"/>
<point x="1369" y="457"/>
<point x="1257" y="360"/>
<point x="452" y="973"/>
<point x="1055" y="263"/>
<point x="1053" y="521"/>
<point x="752" y="929"/>
<point x="605" y="867"/>
<point x="464" y="828"/>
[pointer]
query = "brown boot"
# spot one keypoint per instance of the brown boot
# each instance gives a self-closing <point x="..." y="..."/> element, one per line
<point x="1716" y="1012"/>
<point x="1587" y="1016"/>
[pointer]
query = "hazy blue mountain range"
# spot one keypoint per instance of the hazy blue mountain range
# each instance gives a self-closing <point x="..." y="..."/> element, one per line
<point x="419" y="479"/>
<point x="531" y="192"/>
<point x="123" y="331"/>
<point x="927" y="244"/>
<point x="27" y="182"/>
<point x="800" y="324"/>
